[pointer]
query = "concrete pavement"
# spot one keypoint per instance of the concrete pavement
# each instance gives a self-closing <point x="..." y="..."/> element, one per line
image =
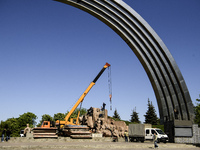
<point x="68" y="144"/>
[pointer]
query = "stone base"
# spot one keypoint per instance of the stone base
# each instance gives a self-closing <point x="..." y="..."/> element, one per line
<point x="180" y="131"/>
<point x="195" y="139"/>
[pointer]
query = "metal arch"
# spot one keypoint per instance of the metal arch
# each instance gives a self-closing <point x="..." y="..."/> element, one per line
<point x="166" y="79"/>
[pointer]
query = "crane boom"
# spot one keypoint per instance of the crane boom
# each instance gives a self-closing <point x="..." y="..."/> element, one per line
<point x="86" y="91"/>
<point x="67" y="122"/>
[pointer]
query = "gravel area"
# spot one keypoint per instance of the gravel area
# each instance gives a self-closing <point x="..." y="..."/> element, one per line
<point x="61" y="144"/>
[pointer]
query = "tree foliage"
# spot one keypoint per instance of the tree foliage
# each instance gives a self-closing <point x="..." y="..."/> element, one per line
<point x="27" y="118"/>
<point x="151" y="117"/>
<point x="17" y="124"/>
<point x="116" y="115"/>
<point x="46" y="117"/>
<point x="59" y="116"/>
<point x="20" y="123"/>
<point x="134" y="116"/>
<point x="197" y="112"/>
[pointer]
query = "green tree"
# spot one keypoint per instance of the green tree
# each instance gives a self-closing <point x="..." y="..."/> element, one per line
<point x="59" y="116"/>
<point x="46" y="117"/>
<point x="14" y="126"/>
<point x="116" y="115"/>
<point x="27" y="118"/>
<point x="197" y="112"/>
<point x="151" y="117"/>
<point x="17" y="124"/>
<point x="134" y="117"/>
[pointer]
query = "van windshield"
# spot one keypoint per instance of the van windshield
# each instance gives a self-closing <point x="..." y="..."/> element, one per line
<point x="160" y="131"/>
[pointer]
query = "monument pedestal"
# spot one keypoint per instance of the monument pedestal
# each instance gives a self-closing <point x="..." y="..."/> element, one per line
<point x="182" y="131"/>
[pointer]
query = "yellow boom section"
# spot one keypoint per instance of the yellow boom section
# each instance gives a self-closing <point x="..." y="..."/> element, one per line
<point x="79" y="101"/>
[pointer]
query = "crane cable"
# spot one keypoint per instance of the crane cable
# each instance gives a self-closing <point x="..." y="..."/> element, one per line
<point x="110" y="86"/>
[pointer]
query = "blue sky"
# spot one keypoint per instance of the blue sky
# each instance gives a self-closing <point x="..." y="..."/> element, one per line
<point x="50" y="52"/>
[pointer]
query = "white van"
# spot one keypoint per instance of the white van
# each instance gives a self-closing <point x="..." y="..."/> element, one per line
<point x="162" y="137"/>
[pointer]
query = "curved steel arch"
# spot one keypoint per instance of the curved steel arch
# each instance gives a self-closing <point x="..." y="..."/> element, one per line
<point x="166" y="79"/>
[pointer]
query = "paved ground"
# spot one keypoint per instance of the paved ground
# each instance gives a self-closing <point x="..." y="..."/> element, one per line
<point x="89" y="145"/>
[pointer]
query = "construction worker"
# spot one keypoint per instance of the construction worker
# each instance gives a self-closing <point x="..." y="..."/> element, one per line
<point x="8" y="132"/>
<point x="155" y="140"/>
<point x="3" y="134"/>
<point x="126" y="136"/>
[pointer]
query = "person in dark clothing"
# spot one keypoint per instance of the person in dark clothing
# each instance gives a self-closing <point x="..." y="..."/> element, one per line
<point x="126" y="136"/>
<point x="176" y="113"/>
<point x="155" y="140"/>
<point x="2" y="136"/>
<point x="8" y="132"/>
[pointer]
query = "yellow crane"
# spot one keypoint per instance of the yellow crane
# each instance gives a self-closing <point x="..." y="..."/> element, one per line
<point x="69" y="127"/>
<point x="80" y="100"/>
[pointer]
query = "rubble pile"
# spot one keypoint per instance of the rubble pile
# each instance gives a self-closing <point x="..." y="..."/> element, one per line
<point x="98" y="121"/>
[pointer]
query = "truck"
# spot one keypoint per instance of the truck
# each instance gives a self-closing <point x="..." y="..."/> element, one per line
<point x="142" y="132"/>
<point x="70" y="126"/>
<point x="136" y="132"/>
